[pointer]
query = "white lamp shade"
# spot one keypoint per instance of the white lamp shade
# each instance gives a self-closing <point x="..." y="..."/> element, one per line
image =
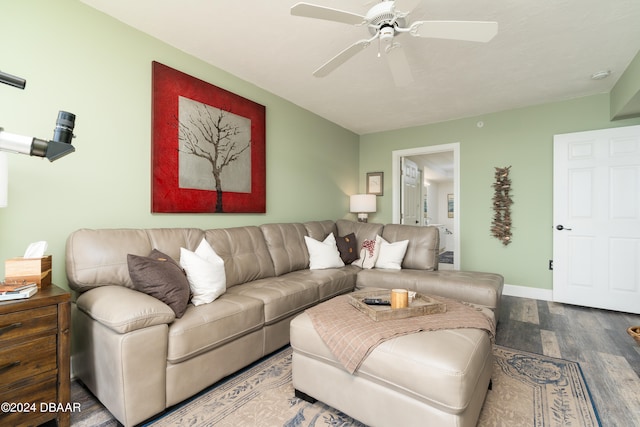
<point x="4" y="180"/>
<point x="362" y="203"/>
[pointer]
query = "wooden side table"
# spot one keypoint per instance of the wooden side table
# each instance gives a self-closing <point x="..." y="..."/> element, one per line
<point x="35" y="359"/>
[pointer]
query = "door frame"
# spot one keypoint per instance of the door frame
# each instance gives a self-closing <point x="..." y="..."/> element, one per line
<point x="396" y="155"/>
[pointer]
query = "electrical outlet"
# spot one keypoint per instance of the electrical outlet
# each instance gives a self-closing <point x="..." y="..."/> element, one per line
<point x="550" y="264"/>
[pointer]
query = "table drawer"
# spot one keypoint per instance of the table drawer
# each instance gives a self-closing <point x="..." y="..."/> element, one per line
<point x="26" y="403"/>
<point x="21" y="361"/>
<point x="25" y="323"/>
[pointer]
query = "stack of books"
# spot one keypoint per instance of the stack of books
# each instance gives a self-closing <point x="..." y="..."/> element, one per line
<point x="17" y="291"/>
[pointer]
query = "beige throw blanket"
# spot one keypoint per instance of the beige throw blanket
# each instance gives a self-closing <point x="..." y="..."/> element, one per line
<point x="355" y="335"/>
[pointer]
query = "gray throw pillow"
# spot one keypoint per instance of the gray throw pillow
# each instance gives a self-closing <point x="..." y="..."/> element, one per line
<point x="161" y="277"/>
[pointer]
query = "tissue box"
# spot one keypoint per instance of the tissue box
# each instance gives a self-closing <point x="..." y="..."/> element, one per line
<point x="34" y="270"/>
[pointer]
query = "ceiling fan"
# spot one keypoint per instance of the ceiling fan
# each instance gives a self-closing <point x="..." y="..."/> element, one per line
<point x="387" y="20"/>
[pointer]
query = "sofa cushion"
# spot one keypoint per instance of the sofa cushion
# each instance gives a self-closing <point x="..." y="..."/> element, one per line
<point x="286" y="246"/>
<point x="319" y="230"/>
<point x="282" y="296"/>
<point x="424" y="243"/>
<point x="170" y="240"/>
<point x="99" y="257"/>
<point x="323" y="254"/>
<point x="348" y="247"/>
<point x="244" y="251"/>
<point x="205" y="272"/>
<point x="331" y="282"/>
<point x="362" y="230"/>
<point x="208" y="326"/>
<point x="161" y="277"/>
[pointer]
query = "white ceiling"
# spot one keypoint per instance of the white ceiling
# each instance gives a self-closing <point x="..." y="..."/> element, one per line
<point x="545" y="50"/>
<point x="436" y="167"/>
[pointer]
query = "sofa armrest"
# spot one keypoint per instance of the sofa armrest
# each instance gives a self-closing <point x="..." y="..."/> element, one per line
<point x="124" y="310"/>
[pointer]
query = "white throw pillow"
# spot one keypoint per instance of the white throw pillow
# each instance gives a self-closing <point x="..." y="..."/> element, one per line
<point x="391" y="254"/>
<point x="323" y="254"/>
<point x="205" y="273"/>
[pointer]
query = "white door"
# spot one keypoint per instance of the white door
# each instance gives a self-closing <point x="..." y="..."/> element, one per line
<point x="596" y="214"/>
<point x="411" y="193"/>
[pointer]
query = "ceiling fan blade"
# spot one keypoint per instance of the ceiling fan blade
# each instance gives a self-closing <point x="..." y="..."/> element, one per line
<point x="405" y="6"/>
<point x="342" y="57"/>
<point x="475" y="31"/>
<point x="320" y="12"/>
<point x="400" y="69"/>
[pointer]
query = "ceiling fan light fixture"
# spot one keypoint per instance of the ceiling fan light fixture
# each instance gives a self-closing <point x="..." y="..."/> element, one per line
<point x="386" y="34"/>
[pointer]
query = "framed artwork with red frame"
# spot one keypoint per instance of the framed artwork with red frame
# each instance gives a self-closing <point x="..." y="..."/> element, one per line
<point x="208" y="147"/>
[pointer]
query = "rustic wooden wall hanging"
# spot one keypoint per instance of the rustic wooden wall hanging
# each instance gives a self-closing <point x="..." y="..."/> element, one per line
<point x="501" y="224"/>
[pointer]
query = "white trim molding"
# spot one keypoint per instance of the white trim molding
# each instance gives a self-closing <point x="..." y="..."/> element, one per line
<point x="527" y="292"/>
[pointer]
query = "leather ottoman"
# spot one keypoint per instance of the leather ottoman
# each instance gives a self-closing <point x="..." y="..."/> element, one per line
<point x="437" y="378"/>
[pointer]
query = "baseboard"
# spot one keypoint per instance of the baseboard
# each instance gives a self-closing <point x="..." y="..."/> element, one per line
<point x="527" y="292"/>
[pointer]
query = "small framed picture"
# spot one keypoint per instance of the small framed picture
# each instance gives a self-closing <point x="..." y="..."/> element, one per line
<point x="450" y="205"/>
<point x="375" y="183"/>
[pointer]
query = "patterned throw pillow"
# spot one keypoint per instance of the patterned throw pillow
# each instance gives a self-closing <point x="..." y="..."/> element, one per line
<point x="368" y="253"/>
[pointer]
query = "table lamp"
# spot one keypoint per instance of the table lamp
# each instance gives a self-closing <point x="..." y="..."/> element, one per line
<point x="362" y="204"/>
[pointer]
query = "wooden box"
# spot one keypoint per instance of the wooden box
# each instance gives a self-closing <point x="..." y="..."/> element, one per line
<point x="31" y="270"/>
<point x="420" y="306"/>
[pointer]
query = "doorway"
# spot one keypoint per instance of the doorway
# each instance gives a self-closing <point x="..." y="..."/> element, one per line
<point x="438" y="169"/>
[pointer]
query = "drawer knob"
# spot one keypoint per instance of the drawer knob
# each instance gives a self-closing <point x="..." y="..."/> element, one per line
<point x="10" y="327"/>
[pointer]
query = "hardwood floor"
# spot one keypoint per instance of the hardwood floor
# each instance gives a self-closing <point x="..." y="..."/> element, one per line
<point x="597" y="339"/>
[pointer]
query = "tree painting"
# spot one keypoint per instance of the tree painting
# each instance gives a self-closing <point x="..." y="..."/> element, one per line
<point x="208" y="151"/>
<point x="214" y="149"/>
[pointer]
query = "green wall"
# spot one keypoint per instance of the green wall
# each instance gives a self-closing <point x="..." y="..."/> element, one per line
<point x="625" y="95"/>
<point x="522" y="138"/>
<point x="79" y="60"/>
<point x="76" y="59"/>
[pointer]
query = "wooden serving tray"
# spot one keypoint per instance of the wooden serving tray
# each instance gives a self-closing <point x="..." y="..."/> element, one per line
<point x="420" y="306"/>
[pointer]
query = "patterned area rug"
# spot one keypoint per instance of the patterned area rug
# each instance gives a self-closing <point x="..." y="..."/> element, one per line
<point x="535" y="390"/>
<point x="528" y="390"/>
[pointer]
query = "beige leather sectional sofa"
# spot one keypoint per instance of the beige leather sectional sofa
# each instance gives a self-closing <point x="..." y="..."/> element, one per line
<point x="139" y="359"/>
